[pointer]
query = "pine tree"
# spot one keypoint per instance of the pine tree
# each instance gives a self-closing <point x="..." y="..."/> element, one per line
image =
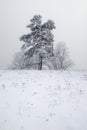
<point x="39" y="42"/>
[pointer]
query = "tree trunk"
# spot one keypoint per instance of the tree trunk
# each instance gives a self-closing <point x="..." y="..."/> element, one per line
<point x="40" y="63"/>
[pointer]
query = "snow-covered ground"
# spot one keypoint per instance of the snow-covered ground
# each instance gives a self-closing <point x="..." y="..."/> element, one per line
<point x="43" y="100"/>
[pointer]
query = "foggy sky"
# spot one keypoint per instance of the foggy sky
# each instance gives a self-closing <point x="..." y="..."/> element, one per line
<point x="70" y="18"/>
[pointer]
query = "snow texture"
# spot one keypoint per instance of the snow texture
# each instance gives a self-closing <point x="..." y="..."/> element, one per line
<point x="43" y="100"/>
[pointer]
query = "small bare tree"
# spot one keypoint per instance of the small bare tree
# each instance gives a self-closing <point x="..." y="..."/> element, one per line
<point x="18" y="61"/>
<point x="61" y="60"/>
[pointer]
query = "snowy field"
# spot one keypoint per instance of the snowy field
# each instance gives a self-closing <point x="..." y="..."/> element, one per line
<point x="43" y="100"/>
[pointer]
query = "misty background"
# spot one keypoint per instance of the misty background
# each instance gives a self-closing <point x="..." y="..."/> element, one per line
<point x="70" y="17"/>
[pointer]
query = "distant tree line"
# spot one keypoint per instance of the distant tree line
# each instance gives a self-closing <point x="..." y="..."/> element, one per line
<point x="38" y="52"/>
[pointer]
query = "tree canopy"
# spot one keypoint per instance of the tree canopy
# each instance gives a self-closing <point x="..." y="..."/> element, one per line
<point x="39" y="42"/>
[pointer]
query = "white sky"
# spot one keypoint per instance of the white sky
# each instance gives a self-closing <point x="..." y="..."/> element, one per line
<point x="70" y="18"/>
